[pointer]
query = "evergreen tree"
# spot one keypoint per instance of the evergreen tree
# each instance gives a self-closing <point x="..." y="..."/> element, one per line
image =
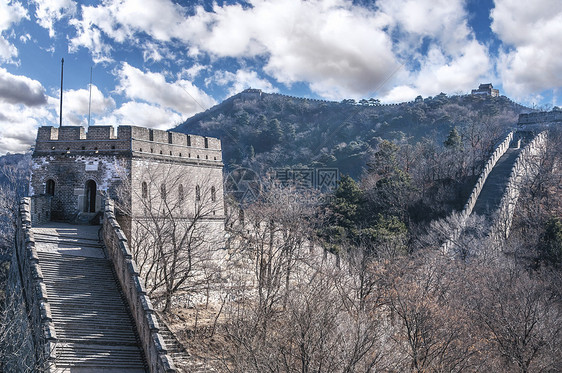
<point x="454" y="140"/>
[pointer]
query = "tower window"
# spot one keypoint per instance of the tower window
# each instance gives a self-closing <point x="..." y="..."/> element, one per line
<point x="169" y="138"/>
<point x="50" y="187"/>
<point x="180" y="193"/>
<point x="151" y="135"/>
<point x="90" y="200"/>
<point x="163" y="191"/>
<point x="144" y="189"/>
<point x="206" y="142"/>
<point x="197" y="193"/>
<point x="188" y="140"/>
<point x="213" y="194"/>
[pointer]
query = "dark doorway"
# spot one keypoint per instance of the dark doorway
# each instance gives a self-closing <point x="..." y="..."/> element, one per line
<point x="50" y="187"/>
<point x="90" y="202"/>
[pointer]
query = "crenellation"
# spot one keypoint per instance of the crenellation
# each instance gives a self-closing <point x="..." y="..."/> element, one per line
<point x="71" y="133"/>
<point x="47" y="133"/>
<point x="100" y="157"/>
<point x="125" y="132"/>
<point x="103" y="140"/>
<point x="100" y="133"/>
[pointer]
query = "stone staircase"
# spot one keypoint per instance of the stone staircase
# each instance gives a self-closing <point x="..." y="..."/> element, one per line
<point x="95" y="330"/>
<point x="490" y="197"/>
<point x="175" y="349"/>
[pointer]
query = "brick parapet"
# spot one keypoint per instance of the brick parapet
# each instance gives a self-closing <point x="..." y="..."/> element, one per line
<point x="34" y="290"/>
<point x="499" y="151"/>
<point x="525" y="167"/>
<point x="73" y="140"/>
<point x="540" y="117"/>
<point x="143" y="313"/>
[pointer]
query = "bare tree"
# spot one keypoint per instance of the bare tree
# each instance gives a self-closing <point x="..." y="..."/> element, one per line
<point x="519" y="315"/>
<point x="175" y="229"/>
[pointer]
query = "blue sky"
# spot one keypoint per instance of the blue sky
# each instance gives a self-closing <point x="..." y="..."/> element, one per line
<point x="157" y="62"/>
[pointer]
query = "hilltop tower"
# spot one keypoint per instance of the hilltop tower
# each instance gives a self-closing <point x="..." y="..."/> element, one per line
<point x="72" y="171"/>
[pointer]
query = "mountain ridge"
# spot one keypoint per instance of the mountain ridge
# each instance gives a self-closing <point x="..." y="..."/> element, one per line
<point x="270" y="130"/>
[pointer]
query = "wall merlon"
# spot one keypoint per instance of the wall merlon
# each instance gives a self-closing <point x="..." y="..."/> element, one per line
<point x="71" y="133"/>
<point x="101" y="133"/>
<point x="47" y="133"/>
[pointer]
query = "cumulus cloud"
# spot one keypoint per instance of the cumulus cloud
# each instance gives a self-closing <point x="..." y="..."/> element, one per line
<point x="18" y="126"/>
<point x="241" y="80"/>
<point x="532" y="35"/>
<point x="444" y="21"/>
<point x="11" y="12"/>
<point x="181" y="95"/>
<point x="338" y="48"/>
<point x="76" y="102"/>
<point x="48" y="12"/>
<point x="142" y="114"/>
<point x="17" y="89"/>
<point x="122" y="20"/>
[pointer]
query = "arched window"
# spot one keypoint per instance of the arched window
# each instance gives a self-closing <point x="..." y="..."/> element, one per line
<point x="144" y="189"/>
<point x="90" y="194"/>
<point x="197" y="193"/>
<point x="50" y="187"/>
<point x="181" y="195"/>
<point x="163" y="191"/>
<point x="213" y="194"/>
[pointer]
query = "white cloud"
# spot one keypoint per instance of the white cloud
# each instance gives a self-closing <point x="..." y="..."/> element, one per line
<point x="18" y="126"/>
<point x="241" y="80"/>
<point x="142" y="114"/>
<point x="122" y="21"/>
<point x="48" y="12"/>
<point x="442" y="74"/>
<point x="338" y="48"/>
<point x="442" y="20"/>
<point x="181" y="96"/>
<point x="18" y="89"/>
<point x="532" y="34"/>
<point x="193" y="71"/>
<point x="11" y="12"/>
<point x="90" y="38"/>
<point x="76" y="102"/>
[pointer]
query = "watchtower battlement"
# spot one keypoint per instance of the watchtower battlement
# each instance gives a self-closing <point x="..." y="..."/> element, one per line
<point x="75" y="168"/>
<point x="140" y="141"/>
<point x="542" y="117"/>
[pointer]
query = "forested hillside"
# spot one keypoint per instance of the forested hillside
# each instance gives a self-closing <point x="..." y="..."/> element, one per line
<point x="262" y="130"/>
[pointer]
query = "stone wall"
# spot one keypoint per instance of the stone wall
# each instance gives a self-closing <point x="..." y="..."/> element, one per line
<point x="70" y="173"/>
<point x="499" y="151"/>
<point x="526" y="168"/>
<point x="33" y="348"/>
<point x="68" y="159"/>
<point x="540" y="117"/>
<point x="102" y="140"/>
<point x="134" y="291"/>
<point x="41" y="209"/>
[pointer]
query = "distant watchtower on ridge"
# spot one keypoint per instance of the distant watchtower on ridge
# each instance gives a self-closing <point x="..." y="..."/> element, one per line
<point x="73" y="169"/>
<point x="486" y="90"/>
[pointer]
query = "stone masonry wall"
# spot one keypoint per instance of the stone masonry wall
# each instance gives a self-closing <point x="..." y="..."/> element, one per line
<point x="71" y="157"/>
<point x="499" y="151"/>
<point x="134" y="291"/>
<point x="70" y="173"/>
<point x="34" y="344"/>
<point x="526" y="167"/>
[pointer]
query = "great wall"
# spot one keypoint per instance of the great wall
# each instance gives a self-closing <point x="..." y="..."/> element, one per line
<point x="69" y="324"/>
<point x="514" y="161"/>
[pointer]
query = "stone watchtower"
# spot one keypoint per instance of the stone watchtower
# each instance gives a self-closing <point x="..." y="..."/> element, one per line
<point x="73" y="169"/>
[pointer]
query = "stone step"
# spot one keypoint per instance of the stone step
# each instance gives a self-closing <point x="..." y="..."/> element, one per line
<point x="94" y="327"/>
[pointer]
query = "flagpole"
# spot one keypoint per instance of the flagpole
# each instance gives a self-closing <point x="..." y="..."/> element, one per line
<point x="90" y="101"/>
<point x="61" y="75"/>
